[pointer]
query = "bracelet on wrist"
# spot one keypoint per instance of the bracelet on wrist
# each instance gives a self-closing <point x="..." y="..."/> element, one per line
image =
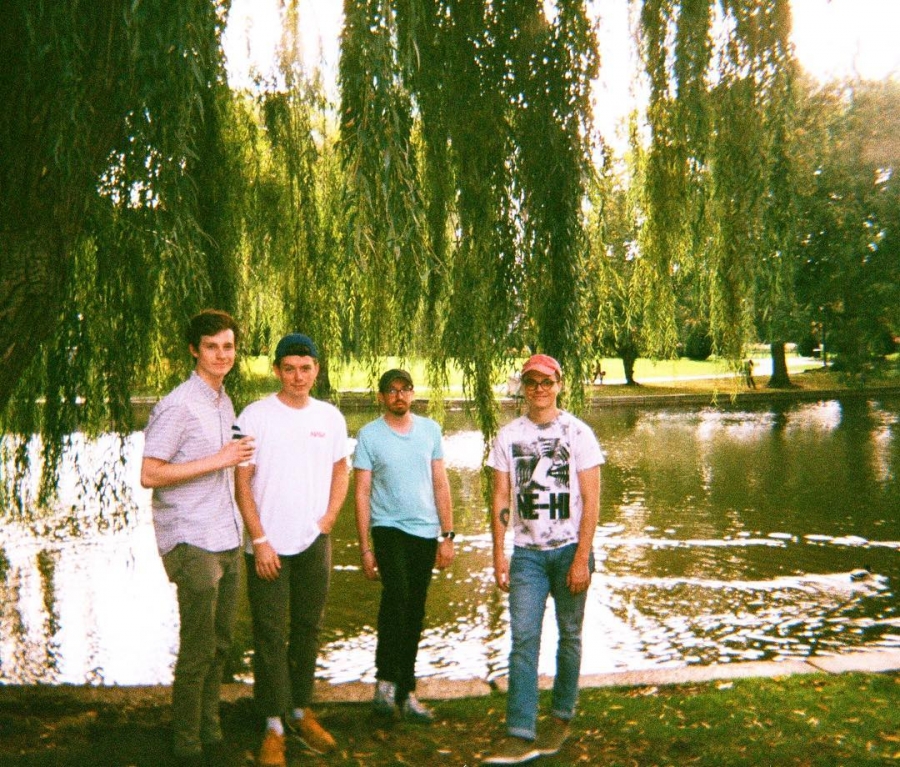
<point x="261" y="540"/>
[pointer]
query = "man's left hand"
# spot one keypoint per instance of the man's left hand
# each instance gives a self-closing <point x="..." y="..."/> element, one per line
<point x="326" y="524"/>
<point x="579" y="577"/>
<point x="445" y="554"/>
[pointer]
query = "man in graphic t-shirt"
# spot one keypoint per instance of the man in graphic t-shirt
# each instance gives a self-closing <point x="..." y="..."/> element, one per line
<point x="547" y="482"/>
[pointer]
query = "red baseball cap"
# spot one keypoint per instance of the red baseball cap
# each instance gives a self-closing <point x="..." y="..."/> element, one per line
<point x="543" y="364"/>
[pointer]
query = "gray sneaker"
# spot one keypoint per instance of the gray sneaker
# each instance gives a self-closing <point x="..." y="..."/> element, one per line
<point x="385" y="700"/>
<point x="513" y="751"/>
<point x="551" y="736"/>
<point x="416" y="711"/>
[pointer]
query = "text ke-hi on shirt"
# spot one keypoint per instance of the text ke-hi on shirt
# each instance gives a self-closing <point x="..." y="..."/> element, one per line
<point x="543" y="461"/>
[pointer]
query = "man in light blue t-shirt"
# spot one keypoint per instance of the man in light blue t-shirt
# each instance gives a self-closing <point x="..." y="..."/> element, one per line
<point x="403" y="500"/>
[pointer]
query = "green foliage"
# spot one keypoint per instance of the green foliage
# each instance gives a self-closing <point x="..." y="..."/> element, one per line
<point x="849" y="204"/>
<point x="448" y="209"/>
<point x="490" y="228"/>
<point x="295" y="263"/>
<point x="713" y="154"/>
<point x="101" y="233"/>
<point x="613" y="290"/>
<point x="386" y="217"/>
<point x="677" y="113"/>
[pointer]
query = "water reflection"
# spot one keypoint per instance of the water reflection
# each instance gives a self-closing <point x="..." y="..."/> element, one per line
<point x="726" y="535"/>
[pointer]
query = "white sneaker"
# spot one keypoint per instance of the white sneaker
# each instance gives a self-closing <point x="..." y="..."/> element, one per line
<point x="416" y="711"/>
<point x="385" y="700"/>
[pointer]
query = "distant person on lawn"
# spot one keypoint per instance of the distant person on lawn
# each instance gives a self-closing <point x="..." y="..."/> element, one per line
<point x="748" y="374"/>
<point x="547" y="484"/>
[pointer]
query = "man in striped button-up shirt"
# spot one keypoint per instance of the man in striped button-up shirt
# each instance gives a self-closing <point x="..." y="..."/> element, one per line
<point x="188" y="458"/>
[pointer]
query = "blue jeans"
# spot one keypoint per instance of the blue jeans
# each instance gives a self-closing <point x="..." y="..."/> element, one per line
<point x="533" y="576"/>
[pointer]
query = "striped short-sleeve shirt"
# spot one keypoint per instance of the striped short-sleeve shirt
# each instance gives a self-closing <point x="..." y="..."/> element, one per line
<point x="191" y="422"/>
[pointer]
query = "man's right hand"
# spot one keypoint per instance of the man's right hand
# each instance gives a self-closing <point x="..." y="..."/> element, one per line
<point x="237" y="451"/>
<point x="267" y="561"/>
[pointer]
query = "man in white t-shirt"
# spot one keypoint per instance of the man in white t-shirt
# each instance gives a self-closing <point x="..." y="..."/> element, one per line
<point x="289" y="496"/>
<point x="547" y="482"/>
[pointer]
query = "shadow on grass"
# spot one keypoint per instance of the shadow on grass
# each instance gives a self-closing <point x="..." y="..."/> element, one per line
<point x="803" y="721"/>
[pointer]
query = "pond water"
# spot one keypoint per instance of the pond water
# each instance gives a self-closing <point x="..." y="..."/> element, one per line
<point x="726" y="535"/>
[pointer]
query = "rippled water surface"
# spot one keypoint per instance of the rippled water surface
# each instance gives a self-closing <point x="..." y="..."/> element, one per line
<point x="725" y="535"/>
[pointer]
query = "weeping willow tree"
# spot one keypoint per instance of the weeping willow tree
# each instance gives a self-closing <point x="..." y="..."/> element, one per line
<point x="107" y="158"/>
<point x="448" y="221"/>
<point x="465" y="127"/>
<point x="293" y="258"/>
<point x="781" y="257"/>
<point x="718" y="74"/>
<point x="498" y="93"/>
<point x="614" y="280"/>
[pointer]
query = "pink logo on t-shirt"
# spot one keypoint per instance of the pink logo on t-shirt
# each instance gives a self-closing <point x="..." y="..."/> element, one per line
<point x="319" y="434"/>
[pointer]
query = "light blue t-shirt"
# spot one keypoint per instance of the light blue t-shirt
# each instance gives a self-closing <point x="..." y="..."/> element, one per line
<point x="402" y="488"/>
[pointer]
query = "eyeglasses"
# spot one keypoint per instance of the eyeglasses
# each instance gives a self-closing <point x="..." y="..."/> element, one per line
<point x="398" y="392"/>
<point x="546" y="384"/>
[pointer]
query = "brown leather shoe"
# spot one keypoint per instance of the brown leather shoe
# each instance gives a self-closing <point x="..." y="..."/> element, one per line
<point x="312" y="734"/>
<point x="271" y="752"/>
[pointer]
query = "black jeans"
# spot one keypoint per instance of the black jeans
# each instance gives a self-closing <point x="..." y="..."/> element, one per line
<point x="287" y="617"/>
<point x="405" y="563"/>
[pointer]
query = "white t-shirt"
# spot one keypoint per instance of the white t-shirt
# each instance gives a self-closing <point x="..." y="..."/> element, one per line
<point x="296" y="450"/>
<point x="543" y="462"/>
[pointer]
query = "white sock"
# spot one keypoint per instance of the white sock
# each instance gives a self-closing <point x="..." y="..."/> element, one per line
<point x="275" y="724"/>
<point x="298" y="713"/>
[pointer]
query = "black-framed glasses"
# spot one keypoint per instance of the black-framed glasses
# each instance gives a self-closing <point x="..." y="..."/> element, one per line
<point x="531" y="384"/>
<point x="398" y="392"/>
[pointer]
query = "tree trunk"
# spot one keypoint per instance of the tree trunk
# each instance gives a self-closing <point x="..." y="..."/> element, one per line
<point x="324" y="389"/>
<point x="629" y="357"/>
<point x="780" y="378"/>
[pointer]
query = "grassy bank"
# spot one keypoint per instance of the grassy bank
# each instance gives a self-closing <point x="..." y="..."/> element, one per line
<point x="802" y="721"/>
<point x="354" y="376"/>
<point x="685" y="376"/>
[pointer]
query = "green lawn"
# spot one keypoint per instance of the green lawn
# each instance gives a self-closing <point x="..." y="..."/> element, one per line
<point x="353" y="376"/>
<point x="800" y="721"/>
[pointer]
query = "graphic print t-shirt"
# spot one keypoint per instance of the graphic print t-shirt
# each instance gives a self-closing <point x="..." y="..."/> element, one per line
<point x="543" y="462"/>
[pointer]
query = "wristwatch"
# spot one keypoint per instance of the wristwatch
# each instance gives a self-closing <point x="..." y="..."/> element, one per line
<point x="450" y="534"/>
